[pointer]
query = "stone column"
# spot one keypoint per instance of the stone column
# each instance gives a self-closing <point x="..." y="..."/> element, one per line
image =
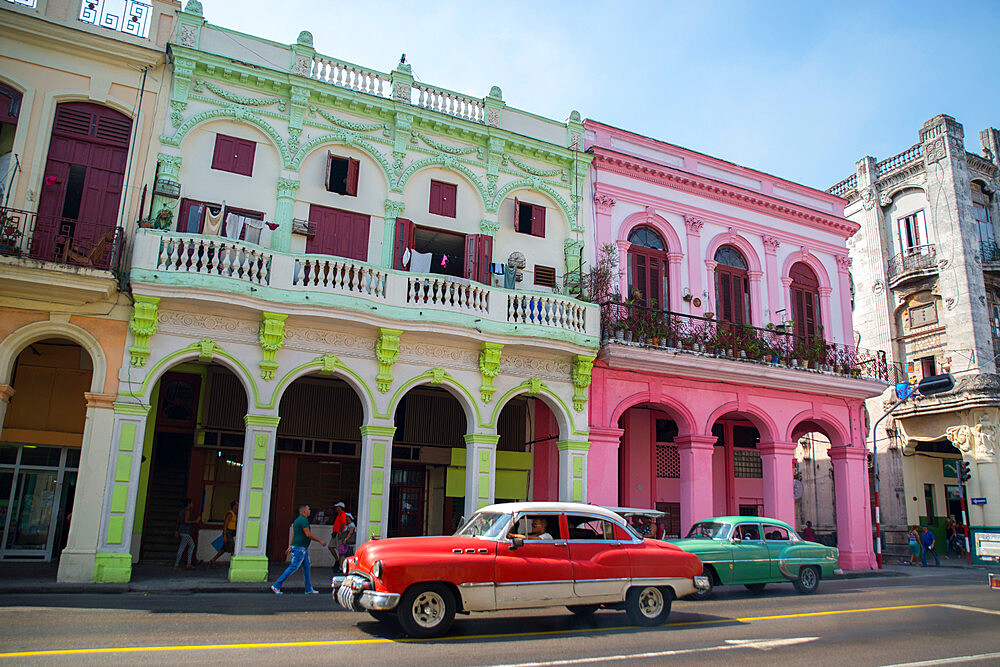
<point x="694" y="226"/>
<point x="249" y="561"/>
<point x="573" y="470"/>
<point x="77" y="560"/>
<point x="697" y="503"/>
<point x="168" y="169"/>
<point x="756" y="307"/>
<point x="6" y="392"/>
<point x="393" y="209"/>
<point x="602" y="460"/>
<point x="824" y="309"/>
<point x="623" y="277"/>
<point x="284" y="211"/>
<point x="674" y="260"/>
<point x="775" y="296"/>
<point x="605" y="232"/>
<point x="844" y="291"/>
<point x="121" y="464"/>
<point x="854" y="522"/>
<point x="776" y="459"/>
<point x="376" y="472"/>
<point x="480" y="470"/>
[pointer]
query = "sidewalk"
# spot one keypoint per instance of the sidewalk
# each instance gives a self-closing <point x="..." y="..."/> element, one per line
<point x="162" y="578"/>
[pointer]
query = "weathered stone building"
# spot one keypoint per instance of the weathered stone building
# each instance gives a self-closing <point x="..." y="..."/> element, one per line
<point x="926" y="268"/>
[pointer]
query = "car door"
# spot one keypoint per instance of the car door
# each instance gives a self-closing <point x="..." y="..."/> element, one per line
<point x="777" y="540"/>
<point x="751" y="562"/>
<point x="536" y="574"/>
<point x="600" y="562"/>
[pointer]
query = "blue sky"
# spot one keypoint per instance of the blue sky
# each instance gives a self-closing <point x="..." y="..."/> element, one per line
<point x="796" y="89"/>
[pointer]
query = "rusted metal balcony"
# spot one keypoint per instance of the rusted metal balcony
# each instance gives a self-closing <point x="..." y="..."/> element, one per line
<point x="916" y="261"/>
<point x="627" y="323"/>
<point x="60" y="240"/>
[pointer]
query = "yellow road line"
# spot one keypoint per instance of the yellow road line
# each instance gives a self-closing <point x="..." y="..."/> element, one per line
<point x="342" y="642"/>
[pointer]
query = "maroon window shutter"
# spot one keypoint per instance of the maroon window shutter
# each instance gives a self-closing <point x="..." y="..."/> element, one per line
<point x="798" y="312"/>
<point x="484" y="257"/>
<point x="449" y="196"/>
<point x="434" y="205"/>
<point x="359" y="228"/>
<point x="471" y="251"/>
<point x="353" y="167"/>
<point x="245" y="151"/>
<point x="742" y="293"/>
<point x="329" y="162"/>
<point x="403" y="240"/>
<point x="654" y="293"/>
<point x="517" y="214"/>
<point x="639" y="281"/>
<point x="225" y="149"/>
<point x="538" y="221"/>
<point x="725" y="296"/>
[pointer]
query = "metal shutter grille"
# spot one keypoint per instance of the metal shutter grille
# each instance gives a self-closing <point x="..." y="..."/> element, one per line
<point x="73" y="121"/>
<point x="227" y="402"/>
<point x="433" y="420"/>
<point x="668" y="462"/>
<point x="512" y="425"/>
<point x="747" y="464"/>
<point x="329" y="410"/>
<point x="115" y="130"/>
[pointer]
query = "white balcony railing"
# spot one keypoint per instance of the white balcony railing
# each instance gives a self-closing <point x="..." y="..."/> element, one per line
<point x="197" y="255"/>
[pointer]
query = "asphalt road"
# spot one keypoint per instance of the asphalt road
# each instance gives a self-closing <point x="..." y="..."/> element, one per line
<point x="930" y="616"/>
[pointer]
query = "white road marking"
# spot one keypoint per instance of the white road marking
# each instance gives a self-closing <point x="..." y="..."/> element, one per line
<point x="965" y="608"/>
<point x="760" y="644"/>
<point x="948" y="661"/>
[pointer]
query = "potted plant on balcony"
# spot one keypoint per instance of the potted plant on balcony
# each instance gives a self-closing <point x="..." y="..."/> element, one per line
<point x="10" y="235"/>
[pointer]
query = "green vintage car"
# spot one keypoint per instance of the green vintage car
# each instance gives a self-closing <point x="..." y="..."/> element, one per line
<point x="755" y="551"/>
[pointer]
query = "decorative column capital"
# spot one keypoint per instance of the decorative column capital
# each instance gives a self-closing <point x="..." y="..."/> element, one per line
<point x="675" y="257"/>
<point x="825" y="291"/>
<point x="272" y="339"/>
<point x="394" y="208"/>
<point x="771" y="244"/>
<point x="786" y="281"/>
<point x="694" y="224"/>
<point x="266" y="421"/>
<point x="848" y="453"/>
<point x="387" y="352"/>
<point x="489" y="367"/>
<point x="604" y="203"/>
<point x="844" y="263"/>
<point x="582" y="366"/>
<point x="776" y="448"/>
<point x="703" y="442"/>
<point x="98" y="400"/>
<point x="287" y="187"/>
<point x="490" y="227"/>
<point x="143" y="325"/>
<point x="623" y="246"/>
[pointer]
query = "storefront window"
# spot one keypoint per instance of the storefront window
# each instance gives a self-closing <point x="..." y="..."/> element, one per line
<point x="223" y="470"/>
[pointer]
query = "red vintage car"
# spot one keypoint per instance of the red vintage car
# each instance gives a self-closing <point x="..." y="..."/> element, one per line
<point x="519" y="556"/>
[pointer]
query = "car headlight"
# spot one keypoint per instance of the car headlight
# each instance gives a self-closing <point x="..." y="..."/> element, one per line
<point x="346" y="567"/>
<point x="377" y="569"/>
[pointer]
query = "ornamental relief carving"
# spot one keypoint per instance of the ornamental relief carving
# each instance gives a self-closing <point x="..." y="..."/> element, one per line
<point x="552" y="369"/>
<point x="187" y="36"/>
<point x="321" y="340"/>
<point x="456" y="357"/>
<point x="197" y="325"/>
<point x="935" y="151"/>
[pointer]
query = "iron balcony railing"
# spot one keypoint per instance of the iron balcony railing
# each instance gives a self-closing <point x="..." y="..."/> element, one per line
<point x="991" y="252"/>
<point x="625" y="322"/>
<point x="912" y="259"/>
<point x="60" y="240"/>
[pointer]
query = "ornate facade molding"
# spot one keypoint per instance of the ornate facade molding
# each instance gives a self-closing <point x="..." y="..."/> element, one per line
<point x="272" y="338"/>
<point x="604" y="203"/>
<point x="143" y="325"/>
<point x="771" y="244"/>
<point x="387" y="352"/>
<point x="693" y="224"/>
<point x="489" y="368"/>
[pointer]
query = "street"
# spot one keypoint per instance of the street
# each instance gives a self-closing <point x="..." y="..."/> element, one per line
<point x="929" y="615"/>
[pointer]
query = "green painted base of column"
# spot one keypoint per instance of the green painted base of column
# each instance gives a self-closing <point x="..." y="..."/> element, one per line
<point x="248" y="569"/>
<point x="112" y="568"/>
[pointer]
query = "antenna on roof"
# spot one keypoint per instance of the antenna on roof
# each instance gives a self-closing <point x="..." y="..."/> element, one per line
<point x="402" y="59"/>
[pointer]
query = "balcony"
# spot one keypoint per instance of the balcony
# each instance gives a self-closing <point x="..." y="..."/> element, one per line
<point x="41" y="254"/>
<point x="627" y="324"/>
<point x="915" y="262"/>
<point x="222" y="265"/>
<point x="991" y="256"/>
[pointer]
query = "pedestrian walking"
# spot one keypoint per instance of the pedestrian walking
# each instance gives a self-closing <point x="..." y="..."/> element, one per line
<point x="228" y="534"/>
<point x="808" y="534"/>
<point x="914" y="539"/>
<point x="345" y="543"/>
<point x="949" y="536"/>
<point x="927" y="538"/>
<point x="185" y="522"/>
<point x="299" y="549"/>
<point x="339" y="523"/>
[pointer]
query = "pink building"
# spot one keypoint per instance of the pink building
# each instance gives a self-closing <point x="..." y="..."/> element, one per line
<point x="727" y="338"/>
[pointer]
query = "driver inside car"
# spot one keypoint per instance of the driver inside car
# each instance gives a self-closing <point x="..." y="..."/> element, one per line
<point x="539" y="530"/>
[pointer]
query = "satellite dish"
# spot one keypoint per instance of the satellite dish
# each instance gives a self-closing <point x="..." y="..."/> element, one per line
<point x="797" y="489"/>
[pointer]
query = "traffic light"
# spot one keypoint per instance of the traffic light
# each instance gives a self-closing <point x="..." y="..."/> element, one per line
<point x="936" y="384"/>
<point x="964" y="472"/>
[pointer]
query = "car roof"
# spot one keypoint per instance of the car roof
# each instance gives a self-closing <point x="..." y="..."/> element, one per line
<point x="637" y="511"/>
<point x="749" y="519"/>
<point x="513" y="508"/>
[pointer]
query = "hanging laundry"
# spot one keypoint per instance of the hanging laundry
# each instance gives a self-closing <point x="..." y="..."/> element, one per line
<point x="444" y="260"/>
<point x="509" y="277"/>
<point x="406" y="257"/>
<point x="420" y="262"/>
<point x="213" y="223"/>
<point x="234" y="225"/>
<point x="498" y="268"/>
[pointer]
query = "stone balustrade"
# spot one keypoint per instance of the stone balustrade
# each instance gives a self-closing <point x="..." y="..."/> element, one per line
<point x="326" y="280"/>
<point x="847" y="185"/>
<point x="451" y="103"/>
<point x="346" y="75"/>
<point x="891" y="164"/>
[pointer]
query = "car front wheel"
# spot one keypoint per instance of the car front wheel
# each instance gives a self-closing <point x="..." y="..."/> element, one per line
<point x="705" y="594"/>
<point x="808" y="580"/>
<point x="648" y="605"/>
<point x="426" y="610"/>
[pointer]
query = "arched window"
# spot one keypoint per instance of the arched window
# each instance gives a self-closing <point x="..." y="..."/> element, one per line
<point x="647" y="267"/>
<point x="732" y="286"/>
<point x="805" y="300"/>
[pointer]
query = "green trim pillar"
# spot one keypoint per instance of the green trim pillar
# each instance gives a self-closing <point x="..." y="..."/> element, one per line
<point x="249" y="562"/>
<point x="573" y="470"/>
<point x="480" y="470"/>
<point x="393" y="209"/>
<point x="284" y="211"/>
<point x="113" y="560"/>
<point x="376" y="470"/>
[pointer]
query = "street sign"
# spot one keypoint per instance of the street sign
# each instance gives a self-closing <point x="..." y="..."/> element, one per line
<point x="977" y="501"/>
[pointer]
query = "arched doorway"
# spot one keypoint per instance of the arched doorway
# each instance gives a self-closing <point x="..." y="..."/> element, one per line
<point x="737" y="467"/>
<point x="732" y="286"/>
<point x="193" y="448"/>
<point x="647" y="268"/>
<point x="649" y="468"/>
<point x="427" y="484"/>
<point x="804" y="293"/>
<point x="317" y="458"/>
<point x="40" y="448"/>
<point x="814" y="488"/>
<point x="81" y="192"/>
<point x="527" y="463"/>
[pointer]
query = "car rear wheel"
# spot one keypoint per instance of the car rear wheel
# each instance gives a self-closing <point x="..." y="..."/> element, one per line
<point x="382" y="616"/>
<point x="426" y="610"/>
<point x="648" y="605"/>
<point x="708" y="592"/>
<point x="583" y="609"/>
<point x="808" y="580"/>
<point x="756" y="589"/>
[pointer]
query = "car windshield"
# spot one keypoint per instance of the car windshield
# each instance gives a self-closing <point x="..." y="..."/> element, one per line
<point x="491" y="525"/>
<point x="710" y="529"/>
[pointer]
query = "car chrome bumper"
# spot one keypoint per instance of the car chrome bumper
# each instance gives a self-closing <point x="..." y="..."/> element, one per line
<point x="837" y="572"/>
<point x="379" y="601"/>
<point x="354" y="593"/>
<point x="701" y="583"/>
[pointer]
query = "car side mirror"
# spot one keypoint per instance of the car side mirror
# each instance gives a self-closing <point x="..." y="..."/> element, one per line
<point x="516" y="543"/>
